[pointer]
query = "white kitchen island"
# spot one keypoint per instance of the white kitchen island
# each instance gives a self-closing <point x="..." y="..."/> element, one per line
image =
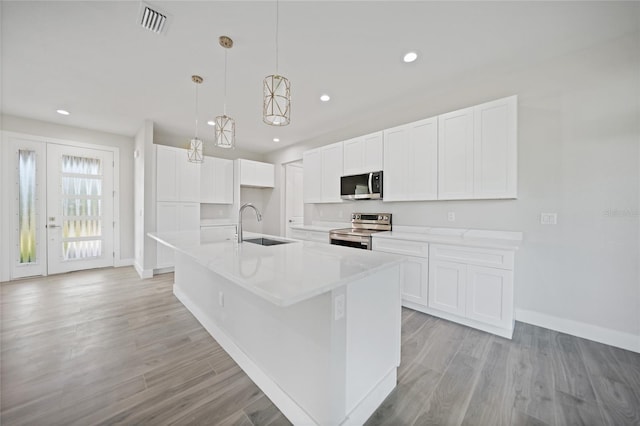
<point x="315" y="326"/>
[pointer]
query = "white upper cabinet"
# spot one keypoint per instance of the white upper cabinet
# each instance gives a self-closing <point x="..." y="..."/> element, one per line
<point x="216" y="181"/>
<point x="323" y="168"/>
<point x="477" y="152"/>
<point x="312" y="180"/>
<point x="363" y="154"/>
<point x="455" y="155"/>
<point x="495" y="149"/>
<point x="177" y="179"/>
<point x="332" y="166"/>
<point x="411" y="161"/>
<point x="256" y="174"/>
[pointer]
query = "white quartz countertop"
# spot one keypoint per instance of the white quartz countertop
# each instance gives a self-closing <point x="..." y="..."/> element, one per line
<point x="282" y="274"/>
<point x="505" y="240"/>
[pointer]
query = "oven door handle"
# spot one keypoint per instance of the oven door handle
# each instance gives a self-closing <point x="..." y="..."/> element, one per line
<point x="353" y="238"/>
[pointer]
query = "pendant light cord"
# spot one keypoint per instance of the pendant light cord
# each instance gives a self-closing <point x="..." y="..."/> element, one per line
<point x="225" y="82"/>
<point x="277" y="26"/>
<point x="196" y="110"/>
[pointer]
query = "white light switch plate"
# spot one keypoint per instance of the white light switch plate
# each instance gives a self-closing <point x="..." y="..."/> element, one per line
<point x="451" y="216"/>
<point x="549" y="218"/>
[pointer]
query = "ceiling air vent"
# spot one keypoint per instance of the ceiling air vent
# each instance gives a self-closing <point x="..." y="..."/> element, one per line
<point x="152" y="19"/>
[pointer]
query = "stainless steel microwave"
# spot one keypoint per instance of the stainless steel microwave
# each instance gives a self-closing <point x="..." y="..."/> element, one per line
<point x="367" y="186"/>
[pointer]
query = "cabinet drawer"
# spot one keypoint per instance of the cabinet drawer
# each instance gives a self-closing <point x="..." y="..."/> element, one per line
<point x="408" y="248"/>
<point x="502" y="259"/>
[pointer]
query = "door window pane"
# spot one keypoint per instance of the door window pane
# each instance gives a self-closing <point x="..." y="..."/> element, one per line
<point x="81" y="165"/>
<point x="27" y="206"/>
<point x="75" y="250"/>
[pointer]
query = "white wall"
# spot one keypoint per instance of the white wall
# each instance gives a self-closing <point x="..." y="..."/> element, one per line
<point x="145" y="199"/>
<point x="75" y="134"/>
<point x="579" y="156"/>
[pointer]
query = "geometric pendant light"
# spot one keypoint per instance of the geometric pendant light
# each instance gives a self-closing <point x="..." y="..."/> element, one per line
<point x="225" y="126"/>
<point x="276" y="102"/>
<point x="195" y="152"/>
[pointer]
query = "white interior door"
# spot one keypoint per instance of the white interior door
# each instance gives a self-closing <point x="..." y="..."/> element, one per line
<point x="293" y="196"/>
<point x="79" y="208"/>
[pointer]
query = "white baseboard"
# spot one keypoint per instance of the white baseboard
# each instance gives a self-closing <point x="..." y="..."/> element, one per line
<point x="596" y="333"/>
<point x="123" y="262"/>
<point x="143" y="273"/>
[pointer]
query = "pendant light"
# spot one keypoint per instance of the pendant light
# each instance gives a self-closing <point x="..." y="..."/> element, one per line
<point x="195" y="152"/>
<point x="225" y="125"/>
<point x="276" y="103"/>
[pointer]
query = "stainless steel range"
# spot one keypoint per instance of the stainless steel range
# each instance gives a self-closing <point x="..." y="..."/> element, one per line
<point x="363" y="225"/>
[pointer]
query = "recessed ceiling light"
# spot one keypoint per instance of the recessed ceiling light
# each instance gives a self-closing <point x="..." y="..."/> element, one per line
<point x="325" y="98"/>
<point x="211" y="123"/>
<point x="410" y="57"/>
<point x="276" y="139"/>
<point x="62" y="112"/>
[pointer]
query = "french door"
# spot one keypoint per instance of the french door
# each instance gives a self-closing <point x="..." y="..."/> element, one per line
<point x="64" y="204"/>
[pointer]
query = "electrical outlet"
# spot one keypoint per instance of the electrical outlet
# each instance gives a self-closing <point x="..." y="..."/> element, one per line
<point x="549" y="218"/>
<point x="339" y="307"/>
<point x="451" y="216"/>
<point x="221" y="299"/>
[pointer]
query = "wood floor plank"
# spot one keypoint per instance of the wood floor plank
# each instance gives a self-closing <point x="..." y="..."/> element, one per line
<point x="570" y="373"/>
<point x="490" y="404"/>
<point x="104" y="347"/>
<point x="571" y="410"/>
<point x="449" y="400"/>
<point x="619" y="402"/>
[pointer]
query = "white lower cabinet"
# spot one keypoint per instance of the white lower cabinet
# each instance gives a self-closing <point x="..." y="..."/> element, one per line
<point x="415" y="270"/>
<point x="447" y="285"/>
<point x="490" y="296"/>
<point x="415" y="278"/>
<point x="174" y="217"/>
<point x="469" y="291"/>
<point x="468" y="285"/>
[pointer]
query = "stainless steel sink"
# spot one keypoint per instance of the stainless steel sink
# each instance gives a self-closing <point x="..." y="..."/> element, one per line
<point x="265" y="241"/>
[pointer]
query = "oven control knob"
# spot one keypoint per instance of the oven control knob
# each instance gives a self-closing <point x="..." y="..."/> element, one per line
<point x="358" y="216"/>
<point x="386" y="218"/>
<point x="379" y="217"/>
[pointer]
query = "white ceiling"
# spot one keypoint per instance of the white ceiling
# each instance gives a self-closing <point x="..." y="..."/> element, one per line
<point x="92" y="59"/>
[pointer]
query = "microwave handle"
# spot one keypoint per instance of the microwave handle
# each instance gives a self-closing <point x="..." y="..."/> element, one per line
<point x="370" y="187"/>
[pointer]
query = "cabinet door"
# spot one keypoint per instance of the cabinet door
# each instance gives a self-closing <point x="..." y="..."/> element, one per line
<point x="490" y="296"/>
<point x="332" y="158"/>
<point x="208" y="181"/>
<point x="353" y="150"/>
<point x="167" y="219"/>
<point x="495" y="149"/>
<point x="415" y="279"/>
<point x="312" y="180"/>
<point x="265" y="175"/>
<point x="224" y="181"/>
<point x="318" y="236"/>
<point x="372" y="152"/>
<point x="188" y="178"/>
<point x="166" y="174"/>
<point x="455" y="155"/>
<point x="422" y="160"/>
<point x="411" y="161"/>
<point x="247" y="172"/>
<point x="447" y="286"/>
<point x="395" y="175"/>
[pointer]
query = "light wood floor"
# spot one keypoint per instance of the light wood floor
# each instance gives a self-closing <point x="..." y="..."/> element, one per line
<point x="104" y="347"/>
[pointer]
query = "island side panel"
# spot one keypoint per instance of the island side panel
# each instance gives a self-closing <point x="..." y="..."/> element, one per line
<point x="373" y="315"/>
<point x="295" y="346"/>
